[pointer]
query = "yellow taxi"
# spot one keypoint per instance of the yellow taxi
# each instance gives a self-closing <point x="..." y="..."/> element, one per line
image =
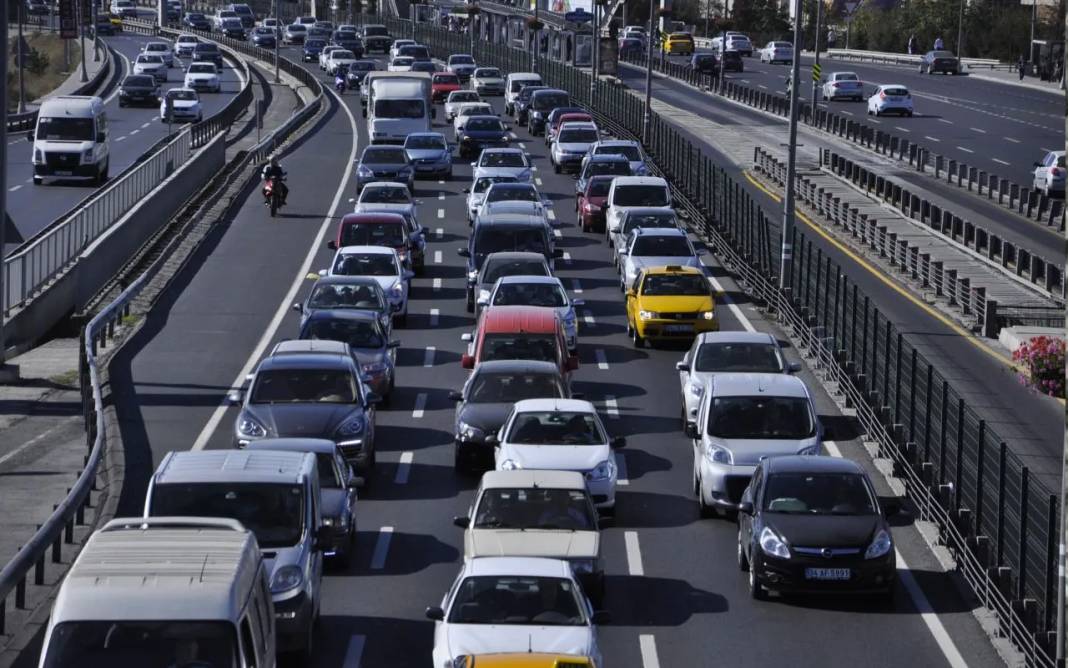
<point x="116" y="21"/>
<point x="670" y="303"/>
<point x="524" y="660"/>
<point x="678" y="42"/>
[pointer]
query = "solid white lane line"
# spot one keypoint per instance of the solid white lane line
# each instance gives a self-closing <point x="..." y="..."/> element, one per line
<point x="291" y="296"/>
<point x="647" y="643"/>
<point x="437" y="257"/>
<point x="428" y="357"/>
<point x="404" y="467"/>
<point x="1001" y="162"/>
<point x="735" y="311"/>
<point x="378" y="559"/>
<point x="354" y="652"/>
<point x="611" y="406"/>
<point x="437" y="284"/>
<point x="634" y="553"/>
<point x="1014" y="141"/>
<point x="576" y="286"/>
<point x="441" y="213"/>
<point x="587" y="317"/>
<point x="602" y="359"/>
<point x="979" y="130"/>
<point x="420" y="405"/>
<point x="966" y="150"/>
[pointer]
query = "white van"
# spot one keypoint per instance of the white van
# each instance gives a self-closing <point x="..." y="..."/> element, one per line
<point x="628" y="192"/>
<point x="170" y="591"/>
<point x="274" y="494"/>
<point x="396" y="109"/>
<point x="71" y="139"/>
<point x="514" y="83"/>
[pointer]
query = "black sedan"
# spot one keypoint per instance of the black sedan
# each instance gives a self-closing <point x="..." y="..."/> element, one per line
<point x="631" y="47"/>
<point x="731" y="61"/>
<point x="705" y="63"/>
<point x="312" y="49"/>
<point x="939" y="61"/>
<point x="139" y="89"/>
<point x="196" y="21"/>
<point x="522" y="102"/>
<point x="349" y="41"/>
<point x="208" y="51"/>
<point x="357" y="293"/>
<point x="488" y="398"/>
<point x="263" y="38"/>
<point x="814" y="524"/>
<point x="481" y="132"/>
<point x="233" y="28"/>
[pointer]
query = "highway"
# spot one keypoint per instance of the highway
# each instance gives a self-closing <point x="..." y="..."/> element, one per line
<point x="133" y="131"/>
<point x="673" y="588"/>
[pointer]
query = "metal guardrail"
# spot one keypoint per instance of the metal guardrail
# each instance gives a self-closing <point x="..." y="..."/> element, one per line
<point x="26" y="121"/>
<point x="999" y="522"/>
<point x="907" y="59"/>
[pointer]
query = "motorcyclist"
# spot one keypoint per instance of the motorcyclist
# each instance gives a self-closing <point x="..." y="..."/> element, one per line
<point x="274" y="170"/>
<point x="340" y="77"/>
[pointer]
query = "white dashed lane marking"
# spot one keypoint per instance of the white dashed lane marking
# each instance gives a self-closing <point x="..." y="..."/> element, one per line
<point x="576" y="286"/>
<point x="437" y="284"/>
<point x="420" y="405"/>
<point x="587" y="317"/>
<point x="1001" y="162"/>
<point x="602" y="359"/>
<point x="966" y="150"/>
<point x="647" y="643"/>
<point x="437" y="257"/>
<point x="404" y="468"/>
<point x="378" y="559"/>
<point x="434" y="314"/>
<point x="428" y="356"/>
<point x="634" y="553"/>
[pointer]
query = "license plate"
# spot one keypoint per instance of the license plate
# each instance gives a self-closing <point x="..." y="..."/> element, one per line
<point x="679" y="328"/>
<point x="827" y="573"/>
<point x="64" y="172"/>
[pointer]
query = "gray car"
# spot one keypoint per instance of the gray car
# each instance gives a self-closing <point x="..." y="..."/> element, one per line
<point x="295" y="34"/>
<point x="139" y="89"/>
<point x="317" y="395"/>
<point x="337" y="490"/>
<point x="656" y="248"/>
<point x="628" y="148"/>
<point x="572" y="143"/>
<point x="356" y="293"/>
<point x="263" y="37"/>
<point x="367" y="340"/>
<point x="384" y="163"/>
<point x="429" y="153"/>
<point x="632" y="219"/>
<point x="511" y="162"/>
<point x="504" y="263"/>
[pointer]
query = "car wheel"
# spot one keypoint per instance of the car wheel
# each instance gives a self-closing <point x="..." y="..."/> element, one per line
<point x="756" y="590"/>
<point x="696" y="484"/>
<point x="743" y="561"/>
<point x="636" y="338"/>
<point x="556" y="168"/>
<point x="37" y="180"/>
<point x="402" y="320"/>
<point x="704" y="510"/>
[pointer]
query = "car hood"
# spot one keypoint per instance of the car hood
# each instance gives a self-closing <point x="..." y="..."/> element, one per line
<point x="558" y="457"/>
<point x="424" y="153"/>
<point x="333" y="501"/>
<point x="616" y="212"/>
<point x="749" y="451"/>
<point x="482" y="639"/>
<point x="201" y="76"/>
<point x="487" y="417"/>
<point x="489" y="81"/>
<point x="573" y="147"/>
<point x="548" y="543"/>
<point x="308" y="420"/>
<point x="512" y="172"/>
<point x="676" y="303"/>
<point x="63" y="146"/>
<point x="824" y="530"/>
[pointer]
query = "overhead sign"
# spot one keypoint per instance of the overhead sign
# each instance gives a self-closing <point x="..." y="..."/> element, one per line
<point x="68" y="19"/>
<point x="578" y="16"/>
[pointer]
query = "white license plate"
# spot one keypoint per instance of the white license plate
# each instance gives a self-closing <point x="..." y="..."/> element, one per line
<point x="64" y="172"/>
<point x="827" y="573"/>
<point x="679" y="328"/>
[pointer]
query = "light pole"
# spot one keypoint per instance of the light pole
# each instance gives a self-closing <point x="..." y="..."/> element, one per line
<point x="648" y="120"/>
<point x="22" y="68"/>
<point x="81" y="41"/>
<point x="791" y="161"/>
<point x="277" y="37"/>
<point x="472" y="13"/>
<point x="797" y="54"/>
<point x="960" y="31"/>
<point x="5" y="370"/>
<point x="96" y="33"/>
<point x="535" y="27"/>
<point x="595" y="33"/>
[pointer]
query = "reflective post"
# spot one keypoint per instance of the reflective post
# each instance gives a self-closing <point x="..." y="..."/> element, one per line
<point x="816" y="46"/>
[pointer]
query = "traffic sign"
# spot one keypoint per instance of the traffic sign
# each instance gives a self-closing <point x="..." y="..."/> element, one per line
<point x="815" y="72"/>
<point x="578" y="16"/>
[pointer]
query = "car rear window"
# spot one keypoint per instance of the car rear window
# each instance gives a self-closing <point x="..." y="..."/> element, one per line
<point x="896" y="91"/>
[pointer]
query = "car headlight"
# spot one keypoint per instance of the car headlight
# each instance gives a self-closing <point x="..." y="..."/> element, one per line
<point x="718" y="455"/>
<point x="880" y="546"/>
<point x="772" y="545"/>
<point x="87" y="156"/>
<point x="374" y="367"/>
<point x="249" y="427"/>
<point x="470" y="432"/>
<point x="524" y="175"/>
<point x="398" y="289"/>
<point x="510" y="465"/>
<point x="472" y="275"/>
<point x="696" y="389"/>
<point x="583" y="566"/>
<point x="351" y="427"/>
<point x="38" y="156"/>
<point x="364" y="172"/>
<point x="569" y="317"/>
<point x="483" y="294"/>
<point x="708" y="315"/>
<point x="286" y="578"/>
<point x="603" y="471"/>
<point x="328" y="521"/>
<point x="647" y="315"/>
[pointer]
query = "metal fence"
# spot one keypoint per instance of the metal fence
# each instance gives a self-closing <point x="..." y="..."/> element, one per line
<point x="997" y="520"/>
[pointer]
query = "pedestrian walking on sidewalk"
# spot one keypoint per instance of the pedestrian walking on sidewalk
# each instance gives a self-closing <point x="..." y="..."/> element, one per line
<point x="912" y="44"/>
<point x="1021" y="66"/>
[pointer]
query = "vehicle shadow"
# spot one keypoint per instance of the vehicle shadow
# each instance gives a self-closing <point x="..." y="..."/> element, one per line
<point x="424" y="482"/>
<point x="395" y="438"/>
<point x="406" y="553"/>
<point x="653" y="510"/>
<point x="937" y="587"/>
<point x="650" y="601"/>
<point x="641" y="462"/>
<point x="352" y="640"/>
<point x="408" y="357"/>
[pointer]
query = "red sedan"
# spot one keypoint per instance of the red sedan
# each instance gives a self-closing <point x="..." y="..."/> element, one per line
<point x="590" y="203"/>
<point x="442" y="84"/>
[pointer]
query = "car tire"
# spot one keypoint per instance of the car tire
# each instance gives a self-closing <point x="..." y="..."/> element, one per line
<point x="743" y="561"/>
<point x="705" y="510"/>
<point x="636" y="338"/>
<point x="556" y="168"/>
<point x="756" y="590"/>
<point x="402" y="320"/>
<point x="37" y="180"/>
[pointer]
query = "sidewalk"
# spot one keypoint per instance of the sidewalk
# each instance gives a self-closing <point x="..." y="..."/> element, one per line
<point x="1013" y="79"/>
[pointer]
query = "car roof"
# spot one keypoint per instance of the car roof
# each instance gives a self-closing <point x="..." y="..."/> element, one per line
<point x="571" y="405"/>
<point x="519" y="319"/>
<point x="530" y="566"/>
<point x="618" y="142"/>
<point x="545" y="280"/>
<point x="509" y="218"/>
<point x="748" y="384"/>
<point x="487" y="151"/>
<point x="736" y="336"/>
<point x="256" y="466"/>
<point x="893" y="86"/>
<point x="533" y="478"/>
<point x="608" y="157"/>
<point x="518" y="366"/>
<point x="345" y="280"/>
<point x="674" y="269"/>
<point x="356" y="315"/>
<point x="307" y="360"/>
<point x="578" y="125"/>
<point x="810" y="464"/>
<point x="377" y="218"/>
<point x="639" y="181"/>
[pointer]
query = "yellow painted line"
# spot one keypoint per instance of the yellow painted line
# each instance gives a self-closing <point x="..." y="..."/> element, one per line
<point x="874" y="271"/>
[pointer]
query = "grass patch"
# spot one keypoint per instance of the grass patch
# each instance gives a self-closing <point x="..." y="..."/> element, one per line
<point x="131" y="319"/>
<point x="68" y="379"/>
<point x="45" y="66"/>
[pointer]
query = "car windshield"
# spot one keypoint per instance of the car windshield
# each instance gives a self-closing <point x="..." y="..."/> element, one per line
<point x="1060" y="161"/>
<point x="506" y="600"/>
<point x="463" y="96"/>
<point x="356" y="333"/>
<point x="302" y="386"/>
<point x="138" y="81"/>
<point x="760" y="417"/>
<point x="512" y="193"/>
<point x="373" y="234"/>
<point x="365" y="264"/>
<point x="577" y="136"/>
<point x="818" y="494"/>
<point x="598" y="187"/>
<point x="425" y="141"/>
<point x="383" y="155"/>
<point x="549" y="101"/>
<point x="201" y="68"/>
<point x="538" y="347"/>
<point x="487" y="73"/>
<point x="508" y="388"/>
<point x="414" y="50"/>
<point x="342" y="296"/>
<point x="447" y="79"/>
<point x="689" y="285"/>
<point x="503" y="159"/>
<point x="895" y="91"/>
<point x="475" y="110"/>
<point x="461" y="60"/>
<point x="661" y="246"/>
<point x="130" y="644"/>
<point x="328" y="478"/>
<point x="739" y="357"/>
<point x="942" y="54"/>
<point x="484" y="125"/>
<point x="385" y="195"/>
<point x="635" y="195"/>
<point x="485" y="182"/>
<point x="181" y="95"/>
<point x="555" y="428"/>
<point x="527" y="92"/>
<point x="629" y="151"/>
<point x="273" y="512"/>
<point x="534" y="508"/>
<point x="156" y="47"/>
<point x="399" y="108"/>
<point x="57" y="128"/>
<point x="631" y="222"/>
<point x="342" y="54"/>
<point x="530" y="294"/>
<point x="375" y="31"/>
<point x="527" y="239"/>
<point x="154" y="60"/>
<point x="607" y="167"/>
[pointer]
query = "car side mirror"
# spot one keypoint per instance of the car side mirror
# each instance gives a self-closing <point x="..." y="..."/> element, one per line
<point x="691" y="430"/>
<point x="395" y="308"/>
<point x="746" y="507"/>
<point x="572" y="363"/>
<point x="492" y="439"/>
<point x="322" y="537"/>
<point x="332" y="245"/>
<point x="483" y="301"/>
<point x="463" y="252"/>
<point x="409" y="274"/>
<point x="466" y="336"/>
<point x="619" y="442"/>
<point x="456" y="396"/>
<point x="373" y="398"/>
<point x="297" y="307"/>
<point x="467" y="361"/>
<point x="233" y="397"/>
<point x="682" y="365"/>
<point x="433" y="113"/>
<point x="467" y="190"/>
<point x="601" y="617"/>
<point x="699" y="251"/>
<point x="435" y="613"/>
<point x="322" y="272"/>
<point x="793" y="367"/>
<point x="365" y="112"/>
<point x="462" y="522"/>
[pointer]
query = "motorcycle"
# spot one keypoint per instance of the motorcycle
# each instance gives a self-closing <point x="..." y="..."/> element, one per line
<point x="339" y="84"/>
<point x="272" y="195"/>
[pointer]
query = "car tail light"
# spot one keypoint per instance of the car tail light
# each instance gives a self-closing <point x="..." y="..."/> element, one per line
<point x="1057" y="171"/>
<point x="834" y="85"/>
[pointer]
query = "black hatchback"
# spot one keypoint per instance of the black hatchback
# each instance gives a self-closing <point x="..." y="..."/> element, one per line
<point x="139" y="89"/>
<point x="705" y="63"/>
<point x="814" y="524"/>
<point x="731" y="61"/>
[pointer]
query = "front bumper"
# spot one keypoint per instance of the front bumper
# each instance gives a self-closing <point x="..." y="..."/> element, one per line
<point x="292" y="617"/>
<point x="490" y="89"/>
<point x="476" y="144"/>
<point x="568" y="160"/>
<point x="675" y="329"/>
<point x="432" y="166"/>
<point x="789" y="575"/>
<point x="723" y="484"/>
<point x="603" y="492"/>
<point x="65" y="171"/>
<point x="138" y="98"/>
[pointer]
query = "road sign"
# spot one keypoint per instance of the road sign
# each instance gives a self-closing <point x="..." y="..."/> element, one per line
<point x="68" y="19"/>
<point x="578" y="16"/>
<point x="815" y="72"/>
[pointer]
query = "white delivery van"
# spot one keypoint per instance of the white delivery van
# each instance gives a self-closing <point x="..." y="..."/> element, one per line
<point x="397" y="108"/>
<point x="514" y="83"/>
<point x="367" y="85"/>
<point x="167" y="591"/>
<point x="71" y="139"/>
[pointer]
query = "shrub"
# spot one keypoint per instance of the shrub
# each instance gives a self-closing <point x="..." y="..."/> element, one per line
<point x="1043" y="358"/>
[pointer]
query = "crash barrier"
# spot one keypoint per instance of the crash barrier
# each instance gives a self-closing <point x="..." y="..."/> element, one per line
<point x="997" y="520"/>
<point x="26" y="121"/>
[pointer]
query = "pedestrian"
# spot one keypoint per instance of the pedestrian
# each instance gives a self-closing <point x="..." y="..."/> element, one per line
<point x="939" y="45"/>
<point x="912" y="45"/>
<point x="1020" y="65"/>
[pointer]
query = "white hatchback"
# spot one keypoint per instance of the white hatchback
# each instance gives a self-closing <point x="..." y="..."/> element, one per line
<point x="381" y="263"/>
<point x="890" y="99"/>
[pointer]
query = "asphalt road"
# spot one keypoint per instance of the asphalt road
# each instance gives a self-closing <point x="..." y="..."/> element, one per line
<point x="133" y="131"/>
<point x="674" y="592"/>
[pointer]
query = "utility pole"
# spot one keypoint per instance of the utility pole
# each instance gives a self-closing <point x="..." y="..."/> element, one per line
<point x="81" y="41"/>
<point x="22" y="71"/>
<point x="960" y="31"/>
<point x="797" y="54"/>
<point x="647" y="130"/>
<point x="1061" y="558"/>
<point x="6" y="371"/>
<point x="96" y="33"/>
<point x="791" y="162"/>
<point x="1031" y="44"/>
<point x="595" y="30"/>
<point x="276" y="40"/>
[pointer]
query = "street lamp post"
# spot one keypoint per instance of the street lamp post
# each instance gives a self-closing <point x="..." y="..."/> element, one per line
<point x="277" y="38"/>
<point x="791" y="162"/>
<point x="473" y="11"/>
<point x="535" y="26"/>
<point x="81" y="42"/>
<point x="960" y="31"/>
<point x="22" y="67"/>
<point x="648" y="119"/>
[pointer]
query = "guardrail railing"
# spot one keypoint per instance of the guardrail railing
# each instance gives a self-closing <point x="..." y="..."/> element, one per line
<point x="998" y="520"/>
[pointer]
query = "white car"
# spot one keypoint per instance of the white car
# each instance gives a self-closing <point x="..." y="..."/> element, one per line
<point x="512" y="197"/>
<point x="401" y="64"/>
<point x="337" y="58"/>
<point x="386" y="197"/>
<point x="560" y="435"/>
<point x="461" y="64"/>
<point x="538" y="291"/>
<point x="220" y="19"/>
<point x="394" y="50"/>
<point x="841" y="85"/>
<point x="161" y="49"/>
<point x="513" y="162"/>
<point x="182" y="104"/>
<point x="324" y="55"/>
<point x="1049" y="174"/>
<point x="125" y="8"/>
<point x="633" y="218"/>
<point x="457" y="98"/>
<point x="890" y="99"/>
<point x="469" y="109"/>
<point x="381" y="263"/>
<point x="151" y="65"/>
<point x="635" y="32"/>
<point x="656" y="247"/>
<point x="488" y="81"/>
<point x="514" y="604"/>
<point x="777" y="52"/>
<point x="203" y="76"/>
<point x="184" y="45"/>
<point x="572" y="143"/>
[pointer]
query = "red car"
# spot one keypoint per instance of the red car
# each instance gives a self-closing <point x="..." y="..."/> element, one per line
<point x="373" y="229"/>
<point x="520" y="333"/>
<point x="590" y="203"/>
<point x="442" y="84"/>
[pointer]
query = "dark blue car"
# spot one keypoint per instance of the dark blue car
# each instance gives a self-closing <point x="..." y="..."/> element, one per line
<point x="481" y="132"/>
<point x="196" y="22"/>
<point x="312" y="49"/>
